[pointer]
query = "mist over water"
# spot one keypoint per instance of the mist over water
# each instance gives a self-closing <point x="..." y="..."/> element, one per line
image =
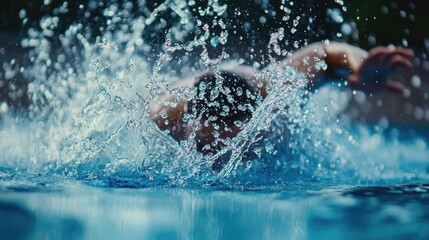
<point x="88" y="118"/>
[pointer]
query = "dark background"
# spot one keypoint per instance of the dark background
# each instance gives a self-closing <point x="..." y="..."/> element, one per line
<point x="380" y="22"/>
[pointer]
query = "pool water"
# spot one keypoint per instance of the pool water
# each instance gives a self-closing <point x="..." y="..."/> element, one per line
<point x="84" y="161"/>
<point x="63" y="209"/>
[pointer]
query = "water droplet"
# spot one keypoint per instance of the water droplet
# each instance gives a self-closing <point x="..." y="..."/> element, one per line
<point x="335" y="15"/>
<point x="22" y="14"/>
<point x="239" y="91"/>
<point x="258" y="151"/>
<point x="296" y="21"/>
<point x="163" y="114"/>
<point x="296" y="44"/>
<point x="346" y="29"/>
<point x="416" y="81"/>
<point x="238" y="123"/>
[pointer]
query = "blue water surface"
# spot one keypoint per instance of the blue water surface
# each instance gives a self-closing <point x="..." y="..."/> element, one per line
<point x="57" y="208"/>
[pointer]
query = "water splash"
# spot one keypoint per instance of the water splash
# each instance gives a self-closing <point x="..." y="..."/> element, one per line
<point x="90" y="97"/>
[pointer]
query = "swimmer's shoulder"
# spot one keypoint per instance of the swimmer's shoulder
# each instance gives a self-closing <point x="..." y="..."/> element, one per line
<point x="185" y="83"/>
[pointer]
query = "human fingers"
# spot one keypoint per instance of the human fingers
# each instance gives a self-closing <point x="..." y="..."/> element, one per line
<point x="353" y="80"/>
<point x="395" y="86"/>
<point x="383" y="53"/>
<point x="357" y="83"/>
<point x="398" y="60"/>
<point x="378" y="51"/>
<point x="391" y="60"/>
<point x="407" y="53"/>
<point x="380" y="56"/>
<point x="398" y="51"/>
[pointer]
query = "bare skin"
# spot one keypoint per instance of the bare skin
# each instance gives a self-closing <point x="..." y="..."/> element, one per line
<point x="369" y="72"/>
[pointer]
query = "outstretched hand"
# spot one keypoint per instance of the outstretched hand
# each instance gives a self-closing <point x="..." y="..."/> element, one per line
<point x="374" y="72"/>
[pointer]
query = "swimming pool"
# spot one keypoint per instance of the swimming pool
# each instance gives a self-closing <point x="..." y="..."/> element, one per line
<point x="83" y="160"/>
<point x="69" y="210"/>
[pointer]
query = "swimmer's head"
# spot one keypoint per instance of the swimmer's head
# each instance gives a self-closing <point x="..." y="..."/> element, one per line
<point x="224" y="102"/>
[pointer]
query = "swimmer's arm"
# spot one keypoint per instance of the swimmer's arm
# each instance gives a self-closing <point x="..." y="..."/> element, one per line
<point x="367" y="71"/>
<point x="167" y="111"/>
<point x="317" y="60"/>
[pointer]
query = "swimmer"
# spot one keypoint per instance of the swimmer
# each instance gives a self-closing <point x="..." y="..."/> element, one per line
<point x="368" y="71"/>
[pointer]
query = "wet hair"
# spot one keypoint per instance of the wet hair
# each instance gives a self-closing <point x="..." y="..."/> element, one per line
<point x="223" y="98"/>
